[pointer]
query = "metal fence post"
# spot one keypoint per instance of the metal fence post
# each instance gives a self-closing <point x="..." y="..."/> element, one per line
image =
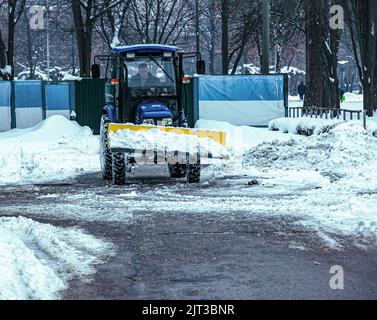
<point x="365" y="119"/>
<point x="13" y="123"/>
<point x="43" y="92"/>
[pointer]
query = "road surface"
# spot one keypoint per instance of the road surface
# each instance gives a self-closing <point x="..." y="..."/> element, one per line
<point x="180" y="241"/>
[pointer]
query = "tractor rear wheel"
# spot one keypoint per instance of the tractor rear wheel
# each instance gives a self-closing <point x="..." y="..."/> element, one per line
<point x="119" y="168"/>
<point x="105" y="154"/>
<point x="177" y="171"/>
<point x="193" y="171"/>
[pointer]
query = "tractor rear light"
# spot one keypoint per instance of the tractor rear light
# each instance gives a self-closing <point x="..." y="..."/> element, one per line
<point x="186" y="80"/>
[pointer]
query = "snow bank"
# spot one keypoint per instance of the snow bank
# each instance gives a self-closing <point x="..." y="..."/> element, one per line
<point x="66" y="76"/>
<point x="328" y="181"/>
<point x="240" y="138"/>
<point x="56" y="149"/>
<point x="346" y="156"/>
<point x="344" y="147"/>
<point x="292" y="70"/>
<point x="160" y="140"/>
<point x="38" y="259"/>
<point x="7" y="70"/>
<point x="309" y="126"/>
<point x="306" y="126"/>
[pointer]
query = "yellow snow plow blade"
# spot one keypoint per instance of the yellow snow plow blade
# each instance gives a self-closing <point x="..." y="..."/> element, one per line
<point x="217" y="136"/>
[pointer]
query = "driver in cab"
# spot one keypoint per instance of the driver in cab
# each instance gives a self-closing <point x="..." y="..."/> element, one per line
<point x="144" y="78"/>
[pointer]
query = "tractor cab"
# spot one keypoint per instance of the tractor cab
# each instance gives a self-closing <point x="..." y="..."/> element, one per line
<point x="145" y="85"/>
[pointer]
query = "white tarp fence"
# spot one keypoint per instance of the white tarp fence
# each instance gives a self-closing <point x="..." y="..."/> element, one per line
<point x="242" y="99"/>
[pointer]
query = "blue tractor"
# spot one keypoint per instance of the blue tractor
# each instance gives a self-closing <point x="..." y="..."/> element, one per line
<point x="143" y="91"/>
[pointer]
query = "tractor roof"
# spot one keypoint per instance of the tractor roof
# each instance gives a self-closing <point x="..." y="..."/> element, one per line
<point x="145" y="48"/>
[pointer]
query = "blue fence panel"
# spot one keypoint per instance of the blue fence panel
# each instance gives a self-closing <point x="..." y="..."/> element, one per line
<point x="241" y="100"/>
<point x="5" y="108"/>
<point x="57" y="97"/>
<point x="28" y="103"/>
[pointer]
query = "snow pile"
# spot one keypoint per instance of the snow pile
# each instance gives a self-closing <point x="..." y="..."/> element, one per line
<point x="38" y="259"/>
<point x="56" y="149"/>
<point x="7" y="70"/>
<point x="292" y="70"/>
<point x="327" y="181"/>
<point x="346" y="151"/>
<point x="305" y="125"/>
<point x="66" y="76"/>
<point x="344" y="198"/>
<point x="160" y="140"/>
<point x="241" y="138"/>
<point x="38" y="74"/>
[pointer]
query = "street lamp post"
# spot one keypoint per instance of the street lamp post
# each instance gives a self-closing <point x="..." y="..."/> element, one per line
<point x="48" y="39"/>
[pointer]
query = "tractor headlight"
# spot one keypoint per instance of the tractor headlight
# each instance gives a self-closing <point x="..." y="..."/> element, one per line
<point x="149" y="122"/>
<point x="166" y="122"/>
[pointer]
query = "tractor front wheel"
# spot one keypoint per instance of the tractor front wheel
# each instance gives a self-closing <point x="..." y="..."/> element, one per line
<point x="105" y="154"/>
<point x="119" y="168"/>
<point x="193" y="171"/>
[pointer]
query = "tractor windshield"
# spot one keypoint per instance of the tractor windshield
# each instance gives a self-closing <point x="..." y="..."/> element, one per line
<point x="151" y="73"/>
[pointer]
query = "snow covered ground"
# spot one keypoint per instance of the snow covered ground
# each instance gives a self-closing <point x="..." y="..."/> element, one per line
<point x="327" y="181"/>
<point x="337" y="172"/>
<point x="54" y="150"/>
<point x="344" y="161"/>
<point x="353" y="102"/>
<point x="38" y="259"/>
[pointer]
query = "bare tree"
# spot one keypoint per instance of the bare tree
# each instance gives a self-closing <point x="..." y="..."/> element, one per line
<point x="322" y="57"/>
<point x="85" y="16"/>
<point x="14" y="12"/>
<point x="3" y="58"/>
<point x="362" y="21"/>
<point x="159" y="21"/>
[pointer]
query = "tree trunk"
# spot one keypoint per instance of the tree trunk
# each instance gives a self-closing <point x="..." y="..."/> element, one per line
<point x="322" y="81"/>
<point x="364" y="43"/>
<point x="10" y="51"/>
<point x="29" y="50"/>
<point x="315" y="76"/>
<point x="212" y="23"/>
<point x="83" y="36"/>
<point x="225" y="36"/>
<point x="3" y="57"/>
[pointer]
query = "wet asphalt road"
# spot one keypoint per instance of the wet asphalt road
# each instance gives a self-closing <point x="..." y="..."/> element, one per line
<point x="168" y="254"/>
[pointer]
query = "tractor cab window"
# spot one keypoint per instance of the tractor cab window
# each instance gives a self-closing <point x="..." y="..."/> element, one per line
<point x="151" y="74"/>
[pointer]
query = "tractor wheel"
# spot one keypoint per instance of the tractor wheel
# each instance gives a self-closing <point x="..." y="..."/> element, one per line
<point x="193" y="171"/>
<point x="119" y="168"/>
<point x="105" y="154"/>
<point x="177" y="171"/>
